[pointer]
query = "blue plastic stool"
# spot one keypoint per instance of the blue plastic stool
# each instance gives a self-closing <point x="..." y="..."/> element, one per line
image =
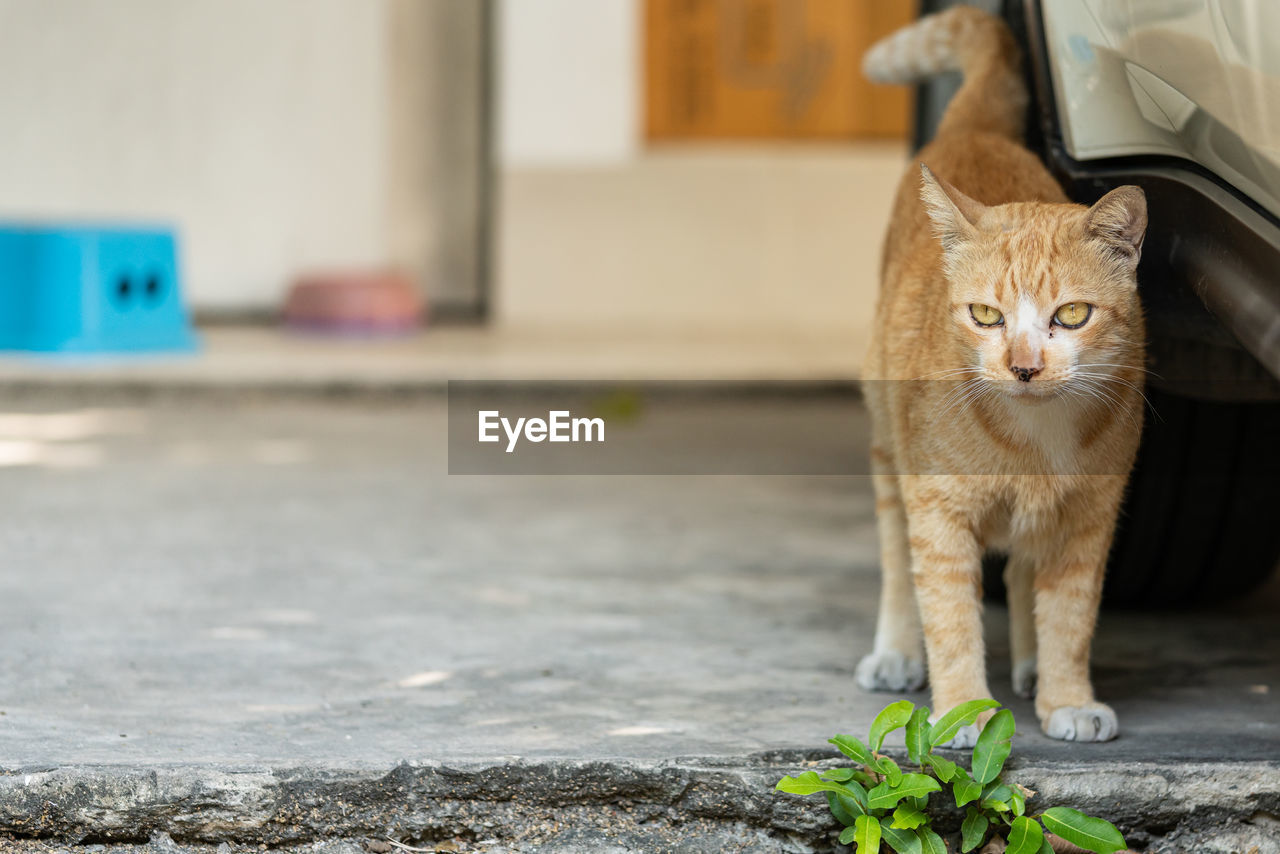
<point x="91" y="290"/>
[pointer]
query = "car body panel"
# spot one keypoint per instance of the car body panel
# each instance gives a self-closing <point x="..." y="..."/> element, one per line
<point x="1195" y="79"/>
<point x="1210" y="272"/>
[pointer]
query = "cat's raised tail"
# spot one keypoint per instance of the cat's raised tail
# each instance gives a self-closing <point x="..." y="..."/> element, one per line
<point x="993" y="98"/>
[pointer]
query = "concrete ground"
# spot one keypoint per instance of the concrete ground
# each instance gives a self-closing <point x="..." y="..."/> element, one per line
<point x="238" y="622"/>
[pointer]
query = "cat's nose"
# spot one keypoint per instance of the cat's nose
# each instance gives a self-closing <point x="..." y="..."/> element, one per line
<point x="1026" y="358"/>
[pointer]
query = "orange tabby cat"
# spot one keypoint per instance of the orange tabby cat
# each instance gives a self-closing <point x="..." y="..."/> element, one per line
<point x="1004" y="383"/>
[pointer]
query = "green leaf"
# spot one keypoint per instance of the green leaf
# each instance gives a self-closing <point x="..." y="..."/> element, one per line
<point x="1018" y="801"/>
<point x="886" y="795"/>
<point x="1025" y="837"/>
<point x="845" y="809"/>
<point x="993" y="746"/>
<point x="1091" y="834"/>
<point x="918" y="735"/>
<point x="994" y="806"/>
<point x="944" y="768"/>
<point x="902" y="841"/>
<point x="853" y="747"/>
<point x="907" y="817"/>
<point x="810" y="783"/>
<point x="1045" y="847"/>
<point x="966" y="791"/>
<point x="930" y="842"/>
<point x="890" y="770"/>
<point x="864" y="778"/>
<point x="846" y="835"/>
<point x="866" y="835"/>
<point x="997" y="796"/>
<point x="890" y="718"/>
<point x="915" y="785"/>
<point x="973" y="832"/>
<point x="946" y="727"/>
<point x="996" y="791"/>
<point x="840" y="775"/>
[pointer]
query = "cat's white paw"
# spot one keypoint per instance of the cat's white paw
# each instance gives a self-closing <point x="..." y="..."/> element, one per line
<point x="1024" y="678"/>
<point x="890" y="670"/>
<point x="1093" y="722"/>
<point x="965" y="739"/>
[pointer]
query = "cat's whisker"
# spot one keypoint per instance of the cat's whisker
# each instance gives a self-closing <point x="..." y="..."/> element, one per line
<point x="1107" y="404"/>
<point x="1089" y="392"/>
<point x="959" y="387"/>
<point x="946" y="403"/>
<point x="972" y="389"/>
<point x="1088" y="399"/>
<point x="1107" y="377"/>
<point x="981" y="392"/>
<point x="1118" y="365"/>
<point x="954" y="396"/>
<point x="1097" y="386"/>
<point x="1112" y="401"/>
<point x="948" y="371"/>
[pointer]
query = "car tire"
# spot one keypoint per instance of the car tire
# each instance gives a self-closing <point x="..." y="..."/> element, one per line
<point x="1199" y="522"/>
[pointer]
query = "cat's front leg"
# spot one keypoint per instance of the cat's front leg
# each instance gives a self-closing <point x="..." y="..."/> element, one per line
<point x="1068" y="589"/>
<point x="947" y="569"/>
<point x="896" y="663"/>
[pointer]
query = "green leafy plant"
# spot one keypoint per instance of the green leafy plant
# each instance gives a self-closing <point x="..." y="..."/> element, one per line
<point x="881" y="804"/>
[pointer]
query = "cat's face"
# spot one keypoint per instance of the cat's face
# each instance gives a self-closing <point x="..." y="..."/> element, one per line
<point x="1043" y="296"/>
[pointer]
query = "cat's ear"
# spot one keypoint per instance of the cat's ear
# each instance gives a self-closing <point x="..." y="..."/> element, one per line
<point x="1119" y="221"/>
<point x="955" y="216"/>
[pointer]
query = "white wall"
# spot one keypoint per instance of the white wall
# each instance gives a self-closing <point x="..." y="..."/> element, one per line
<point x="770" y="241"/>
<point x="596" y="232"/>
<point x="569" y="81"/>
<point x="259" y="128"/>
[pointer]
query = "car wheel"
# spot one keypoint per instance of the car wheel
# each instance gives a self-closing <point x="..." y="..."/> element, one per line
<point x="1199" y="521"/>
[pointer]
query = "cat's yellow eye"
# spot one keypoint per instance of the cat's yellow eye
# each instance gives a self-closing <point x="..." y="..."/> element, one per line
<point x="985" y="315"/>
<point x="1073" y="315"/>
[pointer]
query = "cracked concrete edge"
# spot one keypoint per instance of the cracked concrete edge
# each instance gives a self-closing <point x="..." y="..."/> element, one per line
<point x="215" y="804"/>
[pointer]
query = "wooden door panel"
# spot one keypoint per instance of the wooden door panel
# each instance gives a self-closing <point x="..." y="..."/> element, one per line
<point x="768" y="69"/>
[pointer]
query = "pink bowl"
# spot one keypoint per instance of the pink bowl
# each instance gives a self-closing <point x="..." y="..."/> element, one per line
<point x="355" y="303"/>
